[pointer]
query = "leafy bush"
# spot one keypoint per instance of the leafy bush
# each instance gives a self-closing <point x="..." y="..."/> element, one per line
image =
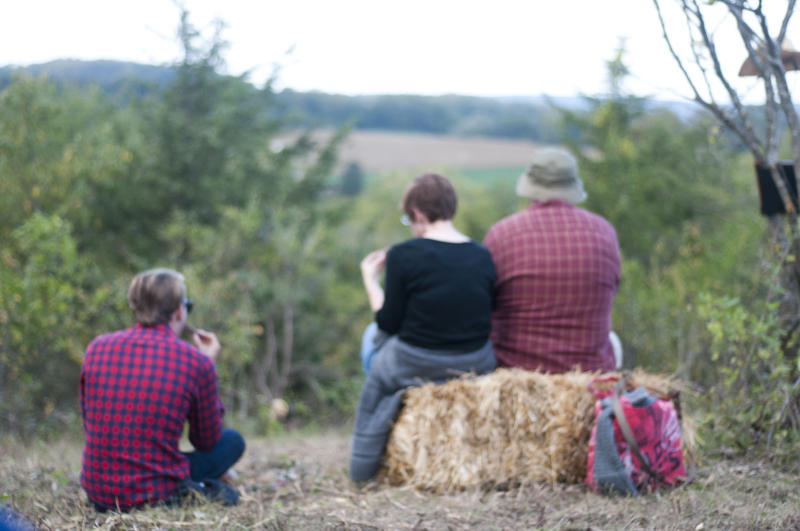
<point x="747" y="398"/>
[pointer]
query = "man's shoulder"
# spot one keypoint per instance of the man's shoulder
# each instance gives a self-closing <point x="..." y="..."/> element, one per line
<point x="530" y="218"/>
<point x="510" y="222"/>
<point x="119" y="336"/>
<point x="595" y="218"/>
<point x="599" y="227"/>
<point x="147" y="338"/>
<point x="507" y="227"/>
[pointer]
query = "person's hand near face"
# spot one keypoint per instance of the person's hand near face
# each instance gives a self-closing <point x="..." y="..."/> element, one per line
<point x="371" y="267"/>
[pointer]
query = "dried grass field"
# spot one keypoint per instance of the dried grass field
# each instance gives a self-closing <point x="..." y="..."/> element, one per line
<point x="379" y="152"/>
<point x="300" y="483"/>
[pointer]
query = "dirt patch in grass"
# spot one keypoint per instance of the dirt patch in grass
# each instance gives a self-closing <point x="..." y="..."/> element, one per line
<point x="300" y="483"/>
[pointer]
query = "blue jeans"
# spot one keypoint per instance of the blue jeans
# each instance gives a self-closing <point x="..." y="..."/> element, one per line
<point x="374" y="338"/>
<point x="368" y="349"/>
<point x="11" y="521"/>
<point x="213" y="464"/>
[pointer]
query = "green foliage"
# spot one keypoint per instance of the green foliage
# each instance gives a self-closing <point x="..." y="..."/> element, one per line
<point x="91" y="193"/>
<point x="52" y="305"/>
<point x="53" y="150"/>
<point x="655" y="309"/>
<point x="746" y="399"/>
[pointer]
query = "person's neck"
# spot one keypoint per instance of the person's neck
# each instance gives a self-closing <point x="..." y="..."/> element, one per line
<point x="443" y="230"/>
<point x="176" y="326"/>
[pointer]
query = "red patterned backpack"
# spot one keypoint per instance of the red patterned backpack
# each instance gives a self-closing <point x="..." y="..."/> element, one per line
<point x="636" y="441"/>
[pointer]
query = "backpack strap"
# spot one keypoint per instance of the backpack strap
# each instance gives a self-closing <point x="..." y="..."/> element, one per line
<point x="625" y="428"/>
<point x="608" y="470"/>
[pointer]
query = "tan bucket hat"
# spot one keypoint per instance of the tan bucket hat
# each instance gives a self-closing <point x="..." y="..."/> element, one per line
<point x="552" y="174"/>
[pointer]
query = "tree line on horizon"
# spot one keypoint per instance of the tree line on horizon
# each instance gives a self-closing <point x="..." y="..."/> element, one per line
<point x="529" y="118"/>
<point x="536" y="119"/>
<point x="452" y="115"/>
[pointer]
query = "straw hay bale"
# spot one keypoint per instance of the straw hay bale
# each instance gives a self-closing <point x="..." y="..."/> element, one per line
<point x="506" y="427"/>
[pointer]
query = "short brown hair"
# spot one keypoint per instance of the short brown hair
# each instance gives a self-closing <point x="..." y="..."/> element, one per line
<point x="433" y="195"/>
<point x="155" y="295"/>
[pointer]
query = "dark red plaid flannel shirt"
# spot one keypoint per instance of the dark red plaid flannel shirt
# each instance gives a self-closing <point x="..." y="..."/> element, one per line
<point x="558" y="269"/>
<point x="138" y="388"/>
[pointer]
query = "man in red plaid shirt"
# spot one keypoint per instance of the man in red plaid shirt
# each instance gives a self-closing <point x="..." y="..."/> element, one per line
<point x="558" y="269"/>
<point x="138" y="388"/>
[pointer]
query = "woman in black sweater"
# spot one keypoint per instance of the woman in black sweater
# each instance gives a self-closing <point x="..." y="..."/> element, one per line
<point x="432" y="320"/>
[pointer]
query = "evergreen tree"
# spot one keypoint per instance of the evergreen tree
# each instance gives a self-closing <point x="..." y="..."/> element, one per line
<point x="352" y="180"/>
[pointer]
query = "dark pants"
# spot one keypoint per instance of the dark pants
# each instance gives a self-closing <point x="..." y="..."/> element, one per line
<point x="213" y="464"/>
<point x="205" y="468"/>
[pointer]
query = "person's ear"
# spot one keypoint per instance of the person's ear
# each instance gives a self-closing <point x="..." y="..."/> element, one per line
<point x="177" y="315"/>
<point x="419" y="217"/>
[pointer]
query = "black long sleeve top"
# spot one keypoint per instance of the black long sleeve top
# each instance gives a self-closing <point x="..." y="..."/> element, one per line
<point x="438" y="294"/>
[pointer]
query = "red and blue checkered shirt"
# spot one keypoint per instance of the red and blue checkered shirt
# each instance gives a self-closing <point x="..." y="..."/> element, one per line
<point x="558" y="269"/>
<point x="138" y="388"/>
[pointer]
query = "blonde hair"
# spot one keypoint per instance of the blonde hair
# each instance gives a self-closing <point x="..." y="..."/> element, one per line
<point x="154" y="295"/>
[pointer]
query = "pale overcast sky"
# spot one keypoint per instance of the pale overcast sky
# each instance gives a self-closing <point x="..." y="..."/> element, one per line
<point x="485" y="48"/>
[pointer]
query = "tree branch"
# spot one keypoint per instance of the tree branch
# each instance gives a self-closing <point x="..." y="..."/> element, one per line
<point x="777" y="70"/>
<point x="741" y="111"/>
<point x="738" y="5"/>
<point x="697" y="58"/>
<point x="678" y="60"/>
<point x="786" y="17"/>
<point x="745" y="135"/>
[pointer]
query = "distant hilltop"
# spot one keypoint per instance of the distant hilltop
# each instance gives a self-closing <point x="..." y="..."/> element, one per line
<point x="531" y="118"/>
<point x="109" y="75"/>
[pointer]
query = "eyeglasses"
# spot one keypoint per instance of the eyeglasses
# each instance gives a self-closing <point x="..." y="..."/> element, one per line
<point x="189" y="303"/>
<point x="405" y="220"/>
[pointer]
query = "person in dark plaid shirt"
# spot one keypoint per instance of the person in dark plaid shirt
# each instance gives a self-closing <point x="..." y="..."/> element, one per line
<point x="558" y="269"/>
<point x="138" y="388"/>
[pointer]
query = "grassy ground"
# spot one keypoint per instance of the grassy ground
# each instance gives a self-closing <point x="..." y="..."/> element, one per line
<point x="300" y="483"/>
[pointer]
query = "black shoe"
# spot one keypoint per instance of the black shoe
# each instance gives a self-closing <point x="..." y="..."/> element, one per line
<point x="213" y="490"/>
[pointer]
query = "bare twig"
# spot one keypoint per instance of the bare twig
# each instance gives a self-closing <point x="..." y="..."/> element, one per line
<point x="697" y="58"/>
<point x="737" y="5"/>
<point x="747" y="134"/>
<point x="786" y="17"/>
<point x="745" y="131"/>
